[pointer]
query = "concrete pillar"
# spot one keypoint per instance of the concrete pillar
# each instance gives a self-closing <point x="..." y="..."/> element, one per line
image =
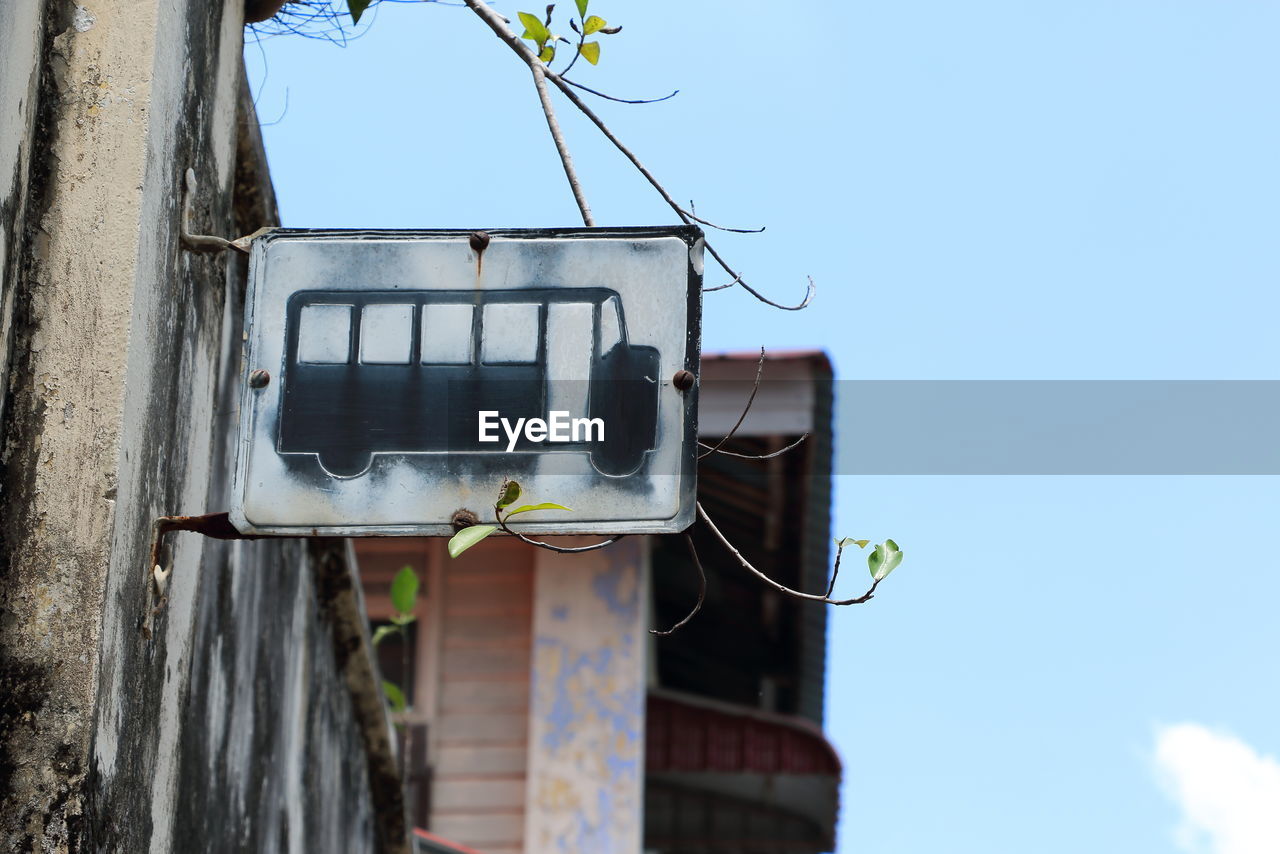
<point x="585" y="790"/>
<point x="112" y="83"/>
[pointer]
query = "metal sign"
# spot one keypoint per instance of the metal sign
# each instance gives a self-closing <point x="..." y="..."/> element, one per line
<point x="396" y="378"/>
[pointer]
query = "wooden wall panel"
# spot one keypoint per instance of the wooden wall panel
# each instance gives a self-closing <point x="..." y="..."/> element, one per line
<point x="481" y="730"/>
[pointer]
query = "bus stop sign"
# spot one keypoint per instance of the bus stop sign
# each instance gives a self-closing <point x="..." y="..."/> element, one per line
<point x="395" y="379"/>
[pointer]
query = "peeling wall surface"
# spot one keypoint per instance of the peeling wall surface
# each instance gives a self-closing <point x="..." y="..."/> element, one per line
<point x="22" y="35"/>
<point x="235" y="707"/>
<point x="267" y="754"/>
<point x="586" y="737"/>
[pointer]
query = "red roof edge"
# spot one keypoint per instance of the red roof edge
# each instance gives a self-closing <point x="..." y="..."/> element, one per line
<point x="444" y="843"/>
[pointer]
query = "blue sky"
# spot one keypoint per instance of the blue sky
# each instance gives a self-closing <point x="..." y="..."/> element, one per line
<point x="988" y="190"/>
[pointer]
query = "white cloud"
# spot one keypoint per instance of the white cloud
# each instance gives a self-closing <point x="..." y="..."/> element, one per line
<point x="1228" y="792"/>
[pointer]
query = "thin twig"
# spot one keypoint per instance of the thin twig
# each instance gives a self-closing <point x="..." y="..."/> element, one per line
<point x="781" y="588"/>
<point x="662" y="191"/>
<point x="750" y="400"/>
<point x="600" y="94"/>
<point x="835" y="570"/>
<point x="539" y="80"/>
<point x="582" y="39"/>
<point x="564" y="550"/>
<point x="702" y="592"/>
<point x="666" y="197"/>
<point x="737" y="280"/>
<point x="691" y="215"/>
<point x="722" y="287"/>
<point x="711" y="449"/>
<point x="405" y="729"/>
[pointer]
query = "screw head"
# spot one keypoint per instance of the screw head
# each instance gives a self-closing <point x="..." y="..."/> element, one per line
<point x="683" y="380"/>
<point x="463" y="518"/>
<point x="479" y="241"/>
<point x="259" y="379"/>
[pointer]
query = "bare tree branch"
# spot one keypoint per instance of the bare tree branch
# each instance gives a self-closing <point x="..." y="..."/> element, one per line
<point x="702" y="592"/>
<point x="541" y="73"/>
<point x="498" y="24"/>
<point x="716" y="449"/>
<point x="506" y="35"/>
<point x="782" y="588"/>
<point x="750" y="400"/>
<point x="617" y="143"/>
<point x="666" y="196"/>
<point x="539" y="80"/>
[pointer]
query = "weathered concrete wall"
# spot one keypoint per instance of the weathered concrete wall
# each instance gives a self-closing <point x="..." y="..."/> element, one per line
<point x="269" y="753"/>
<point x="22" y="30"/>
<point x="236" y="709"/>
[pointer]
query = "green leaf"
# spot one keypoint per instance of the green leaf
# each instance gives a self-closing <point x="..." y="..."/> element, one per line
<point x="582" y="7"/>
<point x="404" y="590"/>
<point x="590" y="52"/>
<point x="594" y="24"/>
<point x="395" y="695"/>
<point x="356" y="8"/>
<point x="884" y="559"/>
<point x="381" y="632"/>
<point x="548" y="54"/>
<point x="862" y="544"/>
<point x="534" y="29"/>
<point x="402" y="620"/>
<point x="529" y="508"/>
<point x="468" y="537"/>
<point x="510" y="490"/>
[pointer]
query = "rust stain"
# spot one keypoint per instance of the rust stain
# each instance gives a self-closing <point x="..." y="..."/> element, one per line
<point x="216" y="525"/>
<point x="479" y="242"/>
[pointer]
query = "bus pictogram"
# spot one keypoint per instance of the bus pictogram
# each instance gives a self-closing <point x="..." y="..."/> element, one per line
<point x="408" y="372"/>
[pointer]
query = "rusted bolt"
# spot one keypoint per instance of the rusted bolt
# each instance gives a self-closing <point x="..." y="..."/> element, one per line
<point x="259" y="379"/>
<point x="479" y="241"/>
<point x="683" y="380"/>
<point x="463" y="519"/>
